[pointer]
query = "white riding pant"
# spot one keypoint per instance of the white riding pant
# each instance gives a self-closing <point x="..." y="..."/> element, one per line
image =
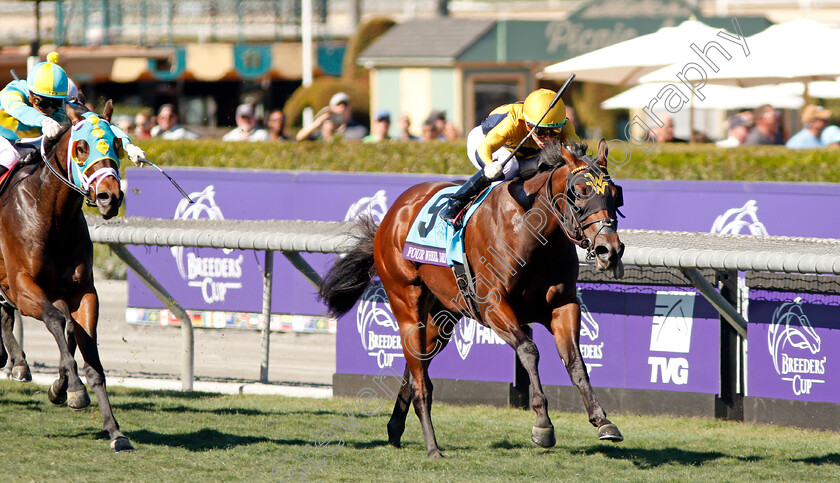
<point x="511" y="169"/>
<point x="8" y="154"/>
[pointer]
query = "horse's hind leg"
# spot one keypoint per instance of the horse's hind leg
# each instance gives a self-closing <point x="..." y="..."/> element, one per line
<point x="84" y="330"/>
<point x="20" y="369"/>
<point x="396" y="425"/>
<point x="565" y="325"/>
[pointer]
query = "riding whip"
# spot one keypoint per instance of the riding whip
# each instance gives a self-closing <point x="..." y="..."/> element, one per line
<point x="550" y="106"/>
<point x="170" y="179"/>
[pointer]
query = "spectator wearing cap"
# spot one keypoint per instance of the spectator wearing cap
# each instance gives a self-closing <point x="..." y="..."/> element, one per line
<point x="337" y="119"/>
<point x="830" y="136"/>
<point x="814" y="121"/>
<point x="767" y="128"/>
<point x="167" y="125"/>
<point x="246" y="126"/>
<point x="379" y="128"/>
<point x="738" y="130"/>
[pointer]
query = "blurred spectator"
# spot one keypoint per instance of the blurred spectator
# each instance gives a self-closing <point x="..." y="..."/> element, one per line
<point x="338" y="114"/>
<point x="246" y="126"/>
<point x="167" y="125"/>
<point x="830" y="136"/>
<point x="445" y="129"/>
<point x="699" y="137"/>
<point x="277" y="125"/>
<point x="814" y="120"/>
<point x="379" y="129"/>
<point x="143" y="122"/>
<point x="430" y="131"/>
<point x="738" y="130"/>
<point x="405" y="129"/>
<point x="665" y="133"/>
<point x="126" y="123"/>
<point x="767" y="128"/>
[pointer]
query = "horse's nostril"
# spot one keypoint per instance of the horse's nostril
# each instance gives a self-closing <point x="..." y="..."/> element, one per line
<point x="103" y="196"/>
<point x="602" y="250"/>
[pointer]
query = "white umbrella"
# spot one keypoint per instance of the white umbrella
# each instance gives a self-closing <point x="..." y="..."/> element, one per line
<point x="797" y="51"/>
<point x="717" y="97"/>
<point x="625" y="62"/>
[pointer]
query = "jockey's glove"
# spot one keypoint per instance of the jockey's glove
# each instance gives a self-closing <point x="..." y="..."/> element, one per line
<point x="50" y="127"/>
<point x="135" y="154"/>
<point x="494" y="169"/>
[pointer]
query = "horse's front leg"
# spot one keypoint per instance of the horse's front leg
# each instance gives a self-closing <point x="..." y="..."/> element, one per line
<point x="33" y="302"/>
<point x="503" y="321"/>
<point x="85" y="319"/>
<point x="565" y="325"/>
<point x="20" y="369"/>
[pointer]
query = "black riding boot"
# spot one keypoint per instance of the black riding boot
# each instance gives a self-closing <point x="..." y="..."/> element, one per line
<point x="3" y="170"/>
<point x="469" y="190"/>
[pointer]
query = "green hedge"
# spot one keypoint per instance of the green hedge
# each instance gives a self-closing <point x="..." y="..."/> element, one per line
<point x="672" y="161"/>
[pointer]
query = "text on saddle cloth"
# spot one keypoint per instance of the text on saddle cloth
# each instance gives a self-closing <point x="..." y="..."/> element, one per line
<point x="431" y="240"/>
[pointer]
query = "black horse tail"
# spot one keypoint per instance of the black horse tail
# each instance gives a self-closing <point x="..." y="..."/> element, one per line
<point x="347" y="280"/>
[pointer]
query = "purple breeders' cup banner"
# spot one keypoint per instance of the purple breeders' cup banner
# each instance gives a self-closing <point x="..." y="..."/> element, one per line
<point x="636" y="344"/>
<point x="369" y="342"/>
<point x="640" y="337"/>
<point x="791" y="339"/>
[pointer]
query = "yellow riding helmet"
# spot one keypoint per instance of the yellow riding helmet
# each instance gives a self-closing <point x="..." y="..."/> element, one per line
<point x="536" y="104"/>
<point x="48" y="79"/>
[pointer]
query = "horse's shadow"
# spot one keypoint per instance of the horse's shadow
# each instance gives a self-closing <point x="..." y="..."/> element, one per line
<point x="205" y="439"/>
<point x="180" y="409"/>
<point x="829" y="459"/>
<point x="653" y="458"/>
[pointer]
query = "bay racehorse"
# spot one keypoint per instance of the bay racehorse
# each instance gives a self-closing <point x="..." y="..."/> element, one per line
<point x="521" y="244"/>
<point x="46" y="256"/>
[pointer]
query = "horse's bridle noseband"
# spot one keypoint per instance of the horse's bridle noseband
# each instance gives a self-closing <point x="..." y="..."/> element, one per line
<point x="572" y="225"/>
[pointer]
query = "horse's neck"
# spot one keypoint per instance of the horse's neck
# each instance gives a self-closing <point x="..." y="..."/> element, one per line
<point x="66" y="203"/>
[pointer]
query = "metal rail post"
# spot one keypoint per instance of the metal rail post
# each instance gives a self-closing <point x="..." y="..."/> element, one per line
<point x="265" y="318"/>
<point x="187" y="342"/>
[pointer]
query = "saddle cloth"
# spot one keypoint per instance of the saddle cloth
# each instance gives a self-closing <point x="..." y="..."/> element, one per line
<point x="432" y="240"/>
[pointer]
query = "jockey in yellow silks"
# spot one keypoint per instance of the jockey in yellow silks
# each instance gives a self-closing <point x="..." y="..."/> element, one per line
<point x="35" y="106"/>
<point x="490" y="144"/>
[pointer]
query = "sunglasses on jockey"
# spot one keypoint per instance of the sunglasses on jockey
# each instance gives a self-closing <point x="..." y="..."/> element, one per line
<point x="549" y="132"/>
<point x="47" y="102"/>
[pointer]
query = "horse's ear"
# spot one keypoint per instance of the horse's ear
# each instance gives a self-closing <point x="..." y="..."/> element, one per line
<point x="71" y="113"/>
<point x="109" y="109"/>
<point x="567" y="156"/>
<point x="603" y="152"/>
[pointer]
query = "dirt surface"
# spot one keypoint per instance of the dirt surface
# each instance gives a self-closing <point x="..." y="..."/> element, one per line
<point x="220" y="354"/>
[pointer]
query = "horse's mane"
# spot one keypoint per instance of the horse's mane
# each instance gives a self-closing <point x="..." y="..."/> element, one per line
<point x="551" y="156"/>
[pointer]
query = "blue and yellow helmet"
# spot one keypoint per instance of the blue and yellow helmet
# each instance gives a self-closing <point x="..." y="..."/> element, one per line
<point x="48" y="79"/>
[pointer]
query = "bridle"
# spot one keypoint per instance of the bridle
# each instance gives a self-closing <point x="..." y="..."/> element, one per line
<point x="575" y="223"/>
<point x="83" y="182"/>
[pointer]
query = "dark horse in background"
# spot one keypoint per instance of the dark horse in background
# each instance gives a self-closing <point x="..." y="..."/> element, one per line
<point x="527" y="229"/>
<point x="46" y="261"/>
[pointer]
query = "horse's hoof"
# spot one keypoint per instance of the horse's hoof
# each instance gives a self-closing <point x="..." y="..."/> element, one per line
<point x="543" y="437"/>
<point x="21" y="374"/>
<point x="121" y="443"/>
<point x="610" y="432"/>
<point x="395" y="444"/>
<point x="435" y="453"/>
<point x="56" y="398"/>
<point x="78" y="399"/>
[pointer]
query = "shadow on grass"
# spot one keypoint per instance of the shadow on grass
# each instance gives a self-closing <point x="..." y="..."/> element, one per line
<point x="829" y="459"/>
<point x="204" y="439"/>
<point x="507" y="444"/>
<point x="31" y="405"/>
<point x="154" y="407"/>
<point x="652" y="458"/>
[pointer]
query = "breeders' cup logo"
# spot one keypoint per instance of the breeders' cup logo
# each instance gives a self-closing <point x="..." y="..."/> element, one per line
<point x="671" y="332"/>
<point x="206" y="273"/>
<point x="793" y="343"/>
<point x="375" y="206"/>
<point x="740" y="221"/>
<point x="377" y="327"/>
<point x="589" y="328"/>
<point x="468" y="333"/>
